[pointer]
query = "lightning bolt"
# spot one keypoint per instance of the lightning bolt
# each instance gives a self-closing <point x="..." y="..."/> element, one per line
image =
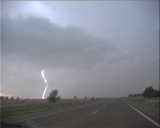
<point x="44" y="78"/>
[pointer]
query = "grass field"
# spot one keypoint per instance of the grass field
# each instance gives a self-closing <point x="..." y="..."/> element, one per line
<point x="154" y="102"/>
<point x="19" y="107"/>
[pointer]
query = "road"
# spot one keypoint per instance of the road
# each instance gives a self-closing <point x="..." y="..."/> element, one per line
<point x="110" y="113"/>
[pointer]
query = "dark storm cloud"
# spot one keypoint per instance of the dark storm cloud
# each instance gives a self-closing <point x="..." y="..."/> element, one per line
<point x="48" y="44"/>
<point x="34" y="43"/>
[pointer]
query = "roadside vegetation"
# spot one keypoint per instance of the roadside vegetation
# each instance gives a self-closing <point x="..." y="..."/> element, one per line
<point x="149" y="92"/>
<point x="14" y="107"/>
<point x="153" y="102"/>
<point x="150" y="97"/>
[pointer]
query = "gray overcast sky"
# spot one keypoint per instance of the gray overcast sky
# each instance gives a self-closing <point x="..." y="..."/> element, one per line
<point x="86" y="48"/>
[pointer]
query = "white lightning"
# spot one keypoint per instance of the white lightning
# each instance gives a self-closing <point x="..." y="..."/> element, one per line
<point x="44" y="78"/>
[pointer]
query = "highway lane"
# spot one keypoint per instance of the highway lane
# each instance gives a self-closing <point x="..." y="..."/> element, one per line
<point x="110" y="113"/>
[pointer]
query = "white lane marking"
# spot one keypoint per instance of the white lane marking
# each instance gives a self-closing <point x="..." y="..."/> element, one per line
<point x="94" y="112"/>
<point x="155" y="123"/>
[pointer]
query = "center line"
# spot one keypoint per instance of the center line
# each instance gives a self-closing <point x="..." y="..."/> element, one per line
<point x="94" y="112"/>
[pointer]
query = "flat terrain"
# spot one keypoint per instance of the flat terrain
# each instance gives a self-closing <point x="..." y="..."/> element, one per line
<point x="108" y="113"/>
<point x="26" y="106"/>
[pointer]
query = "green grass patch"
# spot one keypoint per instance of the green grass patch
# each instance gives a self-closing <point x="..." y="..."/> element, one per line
<point x="12" y="108"/>
<point x="154" y="102"/>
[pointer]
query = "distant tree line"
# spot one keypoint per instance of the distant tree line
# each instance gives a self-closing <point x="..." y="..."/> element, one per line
<point x="87" y="98"/>
<point x="149" y="92"/>
<point x="9" y="98"/>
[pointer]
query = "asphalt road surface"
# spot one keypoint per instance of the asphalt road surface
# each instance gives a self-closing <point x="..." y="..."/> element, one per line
<point x="110" y="113"/>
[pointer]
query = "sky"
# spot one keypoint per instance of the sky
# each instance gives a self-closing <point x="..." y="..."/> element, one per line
<point x="86" y="48"/>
